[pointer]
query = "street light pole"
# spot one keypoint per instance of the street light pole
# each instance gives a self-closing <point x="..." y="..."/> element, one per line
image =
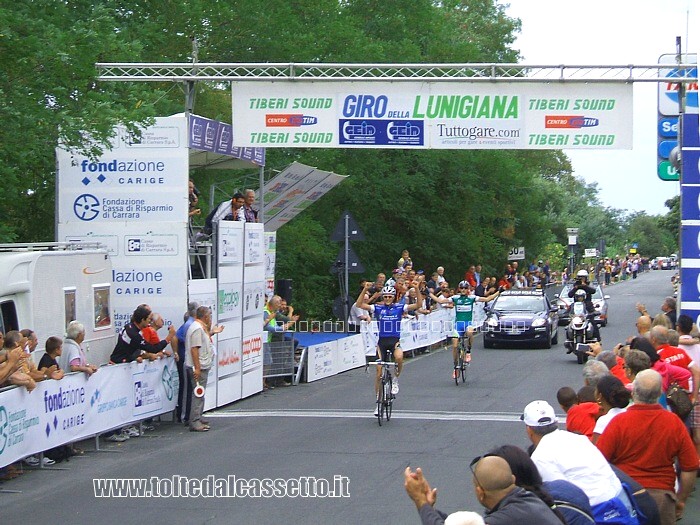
<point x="573" y="240"/>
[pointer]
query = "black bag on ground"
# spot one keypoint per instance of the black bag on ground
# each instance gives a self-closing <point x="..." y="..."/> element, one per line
<point x="60" y="453"/>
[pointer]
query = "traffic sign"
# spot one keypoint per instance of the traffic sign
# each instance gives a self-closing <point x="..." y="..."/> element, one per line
<point x="665" y="147"/>
<point x="590" y="252"/>
<point x="354" y="232"/>
<point x="668" y="91"/>
<point x="667" y="172"/>
<point x="668" y="127"/>
<point x="354" y="264"/>
<point x="516" y="254"/>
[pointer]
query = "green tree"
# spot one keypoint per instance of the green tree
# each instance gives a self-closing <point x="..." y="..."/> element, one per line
<point x="48" y="52"/>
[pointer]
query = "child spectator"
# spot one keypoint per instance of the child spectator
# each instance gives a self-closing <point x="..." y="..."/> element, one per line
<point x="581" y="410"/>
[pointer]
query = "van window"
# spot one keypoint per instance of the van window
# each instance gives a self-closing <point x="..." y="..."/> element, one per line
<point x="69" y="302"/>
<point x="100" y="295"/>
<point x="8" y="317"/>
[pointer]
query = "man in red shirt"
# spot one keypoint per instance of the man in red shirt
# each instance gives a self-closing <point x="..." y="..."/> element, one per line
<point x="470" y="276"/>
<point x="645" y="442"/>
<point x="675" y="356"/>
<point x="150" y="334"/>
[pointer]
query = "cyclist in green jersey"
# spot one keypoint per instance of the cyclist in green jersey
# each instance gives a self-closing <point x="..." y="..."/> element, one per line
<point x="464" y="310"/>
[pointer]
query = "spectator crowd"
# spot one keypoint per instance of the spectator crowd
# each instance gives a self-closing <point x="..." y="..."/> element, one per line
<point x="629" y="450"/>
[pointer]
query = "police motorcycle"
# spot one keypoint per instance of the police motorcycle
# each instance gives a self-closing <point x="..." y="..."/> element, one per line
<point x="581" y="329"/>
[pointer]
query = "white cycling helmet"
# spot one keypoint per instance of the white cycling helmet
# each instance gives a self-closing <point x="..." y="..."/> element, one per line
<point x="580" y="296"/>
<point x="582" y="273"/>
<point x="388" y="290"/>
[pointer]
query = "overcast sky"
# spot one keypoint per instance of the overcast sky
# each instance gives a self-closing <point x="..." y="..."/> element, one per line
<point x="613" y="32"/>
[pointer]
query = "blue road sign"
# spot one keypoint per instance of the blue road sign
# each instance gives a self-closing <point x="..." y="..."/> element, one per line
<point x="665" y="147"/>
<point x="668" y="127"/>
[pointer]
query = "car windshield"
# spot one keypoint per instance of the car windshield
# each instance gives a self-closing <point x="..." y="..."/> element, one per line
<point x="519" y="303"/>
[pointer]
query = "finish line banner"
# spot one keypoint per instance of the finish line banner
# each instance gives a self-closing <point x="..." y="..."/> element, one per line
<point x="437" y="115"/>
<point x="78" y="406"/>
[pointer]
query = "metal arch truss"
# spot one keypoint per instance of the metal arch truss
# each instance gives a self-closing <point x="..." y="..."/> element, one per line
<point x="159" y="72"/>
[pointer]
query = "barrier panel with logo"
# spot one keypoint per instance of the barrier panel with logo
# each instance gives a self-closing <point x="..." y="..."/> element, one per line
<point x="229" y="306"/>
<point x="254" y="287"/>
<point x="333" y="357"/>
<point x="423" y="330"/>
<point x="78" y="406"/>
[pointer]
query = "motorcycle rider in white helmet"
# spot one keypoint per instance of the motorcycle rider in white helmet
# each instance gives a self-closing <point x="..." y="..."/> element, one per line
<point x="581" y="283"/>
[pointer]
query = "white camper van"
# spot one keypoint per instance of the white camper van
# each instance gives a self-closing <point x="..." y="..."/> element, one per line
<point x="44" y="286"/>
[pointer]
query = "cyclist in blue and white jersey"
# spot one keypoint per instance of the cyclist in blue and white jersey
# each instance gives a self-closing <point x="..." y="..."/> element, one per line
<point x="388" y="315"/>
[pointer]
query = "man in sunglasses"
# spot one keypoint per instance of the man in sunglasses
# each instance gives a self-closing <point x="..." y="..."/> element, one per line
<point x="494" y="486"/>
<point x="464" y="313"/>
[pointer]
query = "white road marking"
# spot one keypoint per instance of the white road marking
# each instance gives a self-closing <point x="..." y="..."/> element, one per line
<point x="354" y="414"/>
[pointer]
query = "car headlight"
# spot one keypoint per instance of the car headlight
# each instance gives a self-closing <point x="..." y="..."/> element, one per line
<point x="492" y="322"/>
<point x="538" y="322"/>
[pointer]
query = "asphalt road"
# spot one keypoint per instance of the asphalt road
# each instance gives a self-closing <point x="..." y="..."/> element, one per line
<point x="325" y="430"/>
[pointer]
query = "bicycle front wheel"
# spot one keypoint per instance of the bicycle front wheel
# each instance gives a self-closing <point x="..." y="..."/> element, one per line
<point x="381" y="402"/>
<point x="389" y="398"/>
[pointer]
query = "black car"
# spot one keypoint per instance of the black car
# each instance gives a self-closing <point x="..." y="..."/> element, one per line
<point x="521" y="316"/>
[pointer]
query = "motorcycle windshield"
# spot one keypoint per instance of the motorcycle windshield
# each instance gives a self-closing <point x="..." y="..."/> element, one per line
<point x="579" y="309"/>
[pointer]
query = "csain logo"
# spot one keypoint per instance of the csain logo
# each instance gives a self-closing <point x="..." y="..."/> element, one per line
<point x="4" y="429"/>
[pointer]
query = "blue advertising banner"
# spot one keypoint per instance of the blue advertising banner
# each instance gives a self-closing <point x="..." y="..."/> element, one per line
<point x="211" y="135"/>
<point x="690" y="204"/>
<point x="690" y="173"/>
<point x="690" y="290"/>
<point x="690" y="240"/>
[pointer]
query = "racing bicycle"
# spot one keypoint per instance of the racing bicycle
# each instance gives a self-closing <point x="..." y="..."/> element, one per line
<point x="385" y="399"/>
<point x="462" y="363"/>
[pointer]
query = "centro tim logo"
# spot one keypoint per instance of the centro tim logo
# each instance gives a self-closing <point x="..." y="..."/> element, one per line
<point x="289" y="120"/>
<point x="671" y="88"/>
<point x="570" y="121"/>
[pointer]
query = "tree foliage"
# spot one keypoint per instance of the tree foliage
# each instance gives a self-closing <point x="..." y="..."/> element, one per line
<point x="450" y="208"/>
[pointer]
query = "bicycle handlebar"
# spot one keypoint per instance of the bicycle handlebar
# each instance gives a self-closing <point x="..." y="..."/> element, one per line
<point x="384" y="363"/>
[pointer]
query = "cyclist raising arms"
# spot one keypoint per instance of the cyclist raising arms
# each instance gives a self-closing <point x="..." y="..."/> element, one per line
<point x="464" y="310"/>
<point x="388" y="314"/>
